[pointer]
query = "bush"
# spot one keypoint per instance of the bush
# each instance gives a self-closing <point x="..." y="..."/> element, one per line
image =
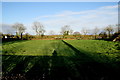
<point x="27" y="37"/>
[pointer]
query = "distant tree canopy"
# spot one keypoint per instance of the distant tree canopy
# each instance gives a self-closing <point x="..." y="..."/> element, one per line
<point x="20" y="29"/>
<point x="38" y="28"/>
<point x="103" y="35"/>
<point x="108" y="32"/>
<point x="27" y="36"/>
<point x="109" y="29"/>
<point x="66" y="30"/>
<point x="95" y="31"/>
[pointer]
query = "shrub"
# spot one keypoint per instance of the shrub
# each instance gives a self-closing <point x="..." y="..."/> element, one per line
<point x="27" y="37"/>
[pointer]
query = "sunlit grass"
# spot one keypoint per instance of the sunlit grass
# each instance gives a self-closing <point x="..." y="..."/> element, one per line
<point x="98" y="49"/>
<point x="37" y="47"/>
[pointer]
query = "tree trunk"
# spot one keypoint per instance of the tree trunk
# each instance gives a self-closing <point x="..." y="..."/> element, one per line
<point x="21" y="37"/>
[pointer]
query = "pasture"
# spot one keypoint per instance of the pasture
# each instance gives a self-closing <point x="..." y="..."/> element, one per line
<point x="61" y="60"/>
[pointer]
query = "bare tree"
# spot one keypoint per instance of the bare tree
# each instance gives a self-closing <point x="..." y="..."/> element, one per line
<point x="95" y="31"/>
<point x="66" y="30"/>
<point x="39" y="28"/>
<point x="109" y="29"/>
<point x="20" y="28"/>
<point x="15" y="26"/>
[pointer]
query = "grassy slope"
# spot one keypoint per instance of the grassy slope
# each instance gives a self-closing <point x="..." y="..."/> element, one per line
<point x="99" y="50"/>
<point x="36" y="47"/>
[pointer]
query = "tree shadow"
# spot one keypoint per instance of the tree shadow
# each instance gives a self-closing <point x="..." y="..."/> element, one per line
<point x="77" y="67"/>
<point x="92" y="69"/>
<point x="59" y="69"/>
<point x="40" y="69"/>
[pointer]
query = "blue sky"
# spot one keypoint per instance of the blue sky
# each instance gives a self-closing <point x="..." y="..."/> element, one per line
<point x="60" y="0"/>
<point x="54" y="15"/>
<point x="26" y="12"/>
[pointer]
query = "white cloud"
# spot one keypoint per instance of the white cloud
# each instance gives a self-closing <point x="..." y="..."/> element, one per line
<point x="109" y="7"/>
<point x="7" y="29"/>
<point x="101" y="10"/>
<point x="100" y="17"/>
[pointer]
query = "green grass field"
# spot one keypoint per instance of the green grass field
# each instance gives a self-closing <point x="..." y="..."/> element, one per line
<point x="61" y="59"/>
<point x="37" y="47"/>
<point x="99" y="50"/>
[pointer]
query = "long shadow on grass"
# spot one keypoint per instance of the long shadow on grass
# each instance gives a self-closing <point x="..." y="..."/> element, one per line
<point x="49" y="68"/>
<point x="91" y="69"/>
<point x="39" y="71"/>
<point x="77" y="67"/>
<point x="59" y="70"/>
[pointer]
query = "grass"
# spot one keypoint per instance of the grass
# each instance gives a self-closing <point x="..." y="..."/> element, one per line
<point x="98" y="49"/>
<point x="74" y="59"/>
<point x="37" y="47"/>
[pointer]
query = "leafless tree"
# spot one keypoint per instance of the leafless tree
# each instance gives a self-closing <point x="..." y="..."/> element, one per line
<point x="39" y="28"/>
<point x="66" y="30"/>
<point x="109" y="29"/>
<point x="95" y="31"/>
<point x="20" y="28"/>
<point x="15" y="26"/>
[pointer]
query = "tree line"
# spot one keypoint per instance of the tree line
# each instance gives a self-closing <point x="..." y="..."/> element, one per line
<point x="66" y="30"/>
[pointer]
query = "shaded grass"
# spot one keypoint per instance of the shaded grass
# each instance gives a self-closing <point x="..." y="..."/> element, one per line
<point x="55" y="60"/>
<point x="57" y="68"/>
<point x="101" y="51"/>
